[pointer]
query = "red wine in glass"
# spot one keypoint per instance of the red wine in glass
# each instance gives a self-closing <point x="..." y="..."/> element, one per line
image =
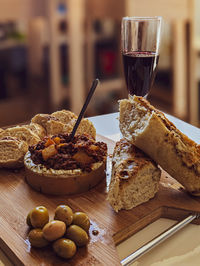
<point x="140" y="70"/>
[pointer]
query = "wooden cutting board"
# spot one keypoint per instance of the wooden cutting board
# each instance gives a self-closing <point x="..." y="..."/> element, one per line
<point x="17" y="199"/>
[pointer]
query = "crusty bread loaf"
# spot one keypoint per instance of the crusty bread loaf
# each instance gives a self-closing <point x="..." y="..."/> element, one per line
<point x="12" y="152"/>
<point x="135" y="177"/>
<point x="152" y="132"/>
<point x="21" y="133"/>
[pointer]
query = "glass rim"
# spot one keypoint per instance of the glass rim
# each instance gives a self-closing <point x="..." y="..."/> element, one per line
<point x="159" y="18"/>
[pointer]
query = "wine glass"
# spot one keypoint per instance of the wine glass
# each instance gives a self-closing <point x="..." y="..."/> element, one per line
<point x="140" y="50"/>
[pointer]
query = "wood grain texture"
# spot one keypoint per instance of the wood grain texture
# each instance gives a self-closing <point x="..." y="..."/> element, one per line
<point x="17" y="199"/>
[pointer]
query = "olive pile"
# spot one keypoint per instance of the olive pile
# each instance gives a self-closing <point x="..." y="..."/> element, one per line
<point x="66" y="232"/>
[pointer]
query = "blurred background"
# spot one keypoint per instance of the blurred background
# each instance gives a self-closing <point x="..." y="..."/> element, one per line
<point x="51" y="50"/>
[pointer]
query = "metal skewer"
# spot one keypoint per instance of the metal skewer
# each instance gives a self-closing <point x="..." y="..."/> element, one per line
<point x="157" y="240"/>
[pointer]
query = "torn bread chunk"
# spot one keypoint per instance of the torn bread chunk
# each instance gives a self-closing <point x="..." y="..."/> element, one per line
<point x="149" y="129"/>
<point x="135" y="177"/>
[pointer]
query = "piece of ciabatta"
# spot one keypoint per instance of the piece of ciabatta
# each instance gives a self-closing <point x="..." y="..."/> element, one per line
<point x="135" y="177"/>
<point x="152" y="132"/>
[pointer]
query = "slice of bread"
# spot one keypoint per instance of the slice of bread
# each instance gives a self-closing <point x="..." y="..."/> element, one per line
<point x="42" y="119"/>
<point x="37" y="129"/>
<point x="50" y="123"/>
<point x="1" y="130"/>
<point x="12" y="152"/>
<point x="63" y="122"/>
<point x="21" y="133"/>
<point x="69" y="119"/>
<point x="86" y="126"/>
<point x="65" y="116"/>
<point x="152" y="132"/>
<point x="54" y="127"/>
<point x="135" y="177"/>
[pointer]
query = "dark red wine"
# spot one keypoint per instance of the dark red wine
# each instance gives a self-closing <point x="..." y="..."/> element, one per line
<point x="139" y="69"/>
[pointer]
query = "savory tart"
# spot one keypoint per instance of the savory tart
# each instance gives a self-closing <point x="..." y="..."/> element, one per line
<point x="58" y="165"/>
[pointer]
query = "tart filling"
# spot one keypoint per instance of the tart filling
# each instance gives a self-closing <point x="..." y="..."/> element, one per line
<point x="81" y="154"/>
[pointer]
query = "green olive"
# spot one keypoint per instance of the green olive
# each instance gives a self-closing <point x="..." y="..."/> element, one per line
<point x="54" y="230"/>
<point x="64" y="213"/>
<point x="64" y="248"/>
<point x="36" y="238"/>
<point x="77" y="234"/>
<point x="28" y="219"/>
<point x="81" y="219"/>
<point x="39" y="216"/>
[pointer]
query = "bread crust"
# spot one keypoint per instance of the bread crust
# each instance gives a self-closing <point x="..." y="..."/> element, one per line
<point x="62" y="182"/>
<point x="135" y="177"/>
<point x="153" y="133"/>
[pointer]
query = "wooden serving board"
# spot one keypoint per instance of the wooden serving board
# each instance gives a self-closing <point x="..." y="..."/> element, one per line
<point x="17" y="198"/>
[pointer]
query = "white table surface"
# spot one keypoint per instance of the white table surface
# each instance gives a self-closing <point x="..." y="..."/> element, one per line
<point x="107" y="125"/>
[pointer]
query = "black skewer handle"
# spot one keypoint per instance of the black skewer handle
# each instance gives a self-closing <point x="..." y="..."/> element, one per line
<point x="92" y="89"/>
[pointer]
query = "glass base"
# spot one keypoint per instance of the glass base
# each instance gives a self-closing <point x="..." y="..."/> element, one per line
<point x="131" y="96"/>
